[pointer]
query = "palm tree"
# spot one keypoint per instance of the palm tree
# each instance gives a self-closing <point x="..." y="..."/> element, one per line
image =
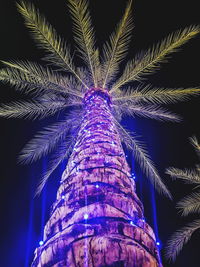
<point x="187" y="206"/>
<point x="97" y="218"/>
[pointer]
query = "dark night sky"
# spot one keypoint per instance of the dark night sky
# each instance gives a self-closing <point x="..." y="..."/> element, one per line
<point x="167" y="142"/>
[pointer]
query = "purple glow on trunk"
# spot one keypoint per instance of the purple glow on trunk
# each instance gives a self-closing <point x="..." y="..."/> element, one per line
<point x="90" y="224"/>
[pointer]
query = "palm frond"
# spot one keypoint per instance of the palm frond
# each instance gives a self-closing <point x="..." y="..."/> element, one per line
<point x="30" y="109"/>
<point x="63" y="151"/>
<point x="47" y="39"/>
<point x="195" y="142"/>
<point x="188" y="176"/>
<point x="31" y="76"/>
<point x="144" y="160"/>
<point x="149" y="111"/>
<point x="189" y="204"/>
<point x="20" y="81"/>
<point x="87" y="77"/>
<point x="116" y="48"/>
<point x="46" y="140"/>
<point x="49" y="97"/>
<point x="154" y="95"/>
<point x="196" y="145"/>
<point x="84" y="34"/>
<point x="179" y="239"/>
<point x="147" y="62"/>
<point x="117" y="112"/>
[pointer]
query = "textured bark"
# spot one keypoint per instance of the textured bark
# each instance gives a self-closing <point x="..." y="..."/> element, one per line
<point x="97" y="219"/>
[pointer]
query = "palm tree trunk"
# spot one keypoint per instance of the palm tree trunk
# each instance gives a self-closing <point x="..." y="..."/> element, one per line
<point x="97" y="219"/>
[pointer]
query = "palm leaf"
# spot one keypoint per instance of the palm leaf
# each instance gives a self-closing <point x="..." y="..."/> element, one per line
<point x="155" y="95"/>
<point x="195" y="142"/>
<point x="196" y="145"/>
<point x="190" y="204"/>
<point x="30" y="109"/>
<point x="144" y="160"/>
<point x="50" y="97"/>
<point x="62" y="153"/>
<point x="84" y="35"/>
<point x="179" y="239"/>
<point x="147" y="62"/>
<point x="116" y="48"/>
<point x="31" y="76"/>
<point x="47" y="39"/>
<point x="46" y="140"/>
<point x="117" y="112"/>
<point x="189" y="176"/>
<point x="20" y="80"/>
<point x="152" y="112"/>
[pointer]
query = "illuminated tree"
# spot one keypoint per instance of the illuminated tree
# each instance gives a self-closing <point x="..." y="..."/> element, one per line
<point x="97" y="218"/>
<point x="188" y="205"/>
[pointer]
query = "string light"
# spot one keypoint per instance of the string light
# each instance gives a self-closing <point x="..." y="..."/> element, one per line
<point x="86" y="216"/>
<point x="133" y="176"/>
<point x="41" y="243"/>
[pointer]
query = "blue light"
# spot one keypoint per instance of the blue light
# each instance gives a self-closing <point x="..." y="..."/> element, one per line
<point x="86" y="216"/>
<point x="133" y="175"/>
<point x="132" y="223"/>
<point x="97" y="186"/>
<point x="41" y="243"/>
<point x="158" y="243"/>
<point x="143" y="220"/>
<point x="63" y="197"/>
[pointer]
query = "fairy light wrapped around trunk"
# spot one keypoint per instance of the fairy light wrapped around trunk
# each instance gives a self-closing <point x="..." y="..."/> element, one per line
<point x="97" y="218"/>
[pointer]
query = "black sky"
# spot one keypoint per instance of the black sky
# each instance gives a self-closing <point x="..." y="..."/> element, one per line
<point x="167" y="142"/>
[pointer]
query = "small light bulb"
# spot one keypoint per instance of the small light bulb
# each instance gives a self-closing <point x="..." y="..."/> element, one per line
<point x="41" y="243"/>
<point x="158" y="243"/>
<point x="133" y="175"/>
<point x="86" y="216"/>
<point x="97" y="186"/>
<point x="63" y="197"/>
<point x="132" y="223"/>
